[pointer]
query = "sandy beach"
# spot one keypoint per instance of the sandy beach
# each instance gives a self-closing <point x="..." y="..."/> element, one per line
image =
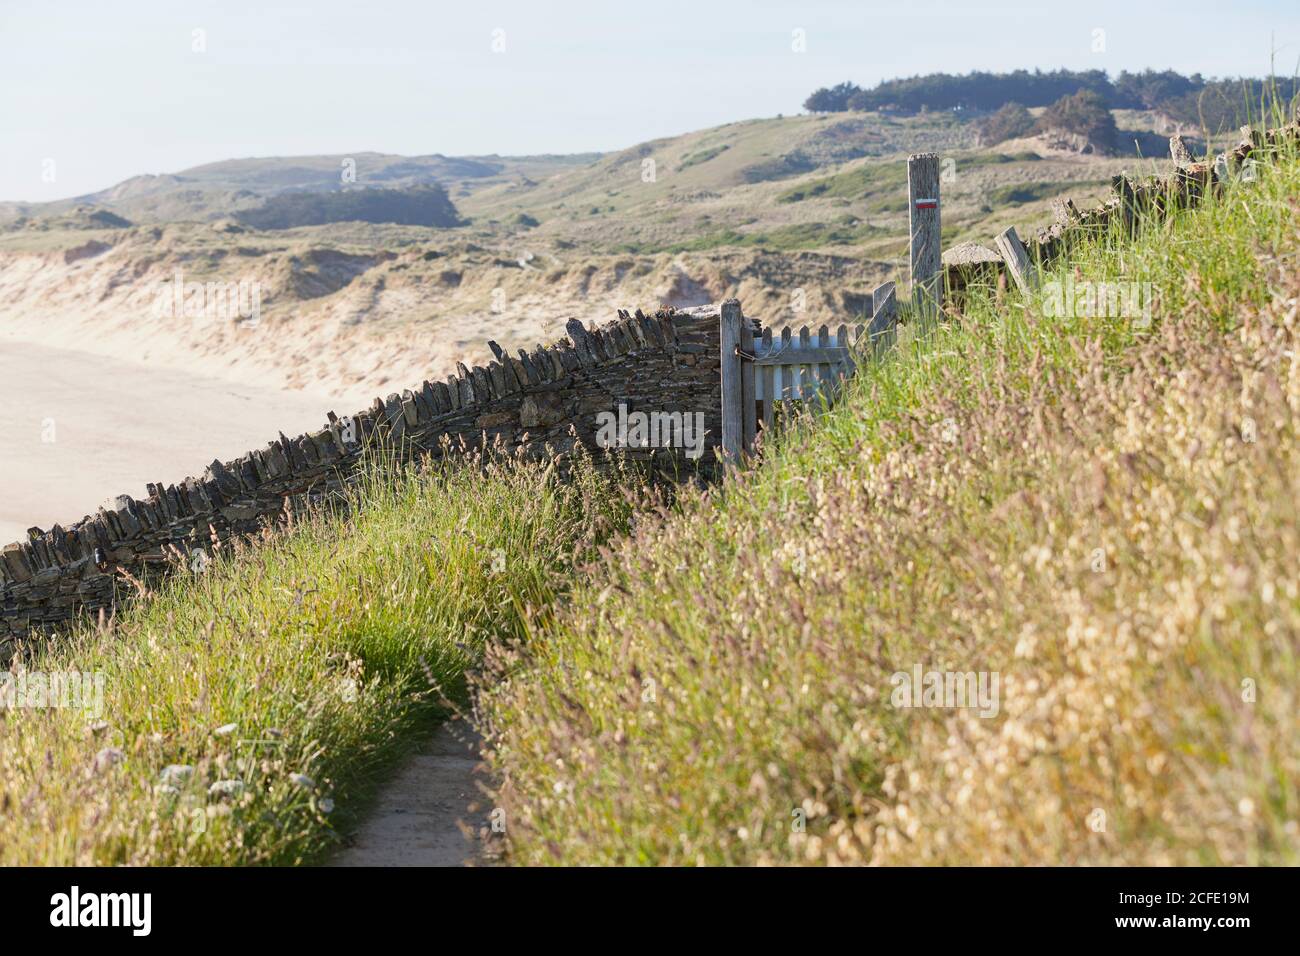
<point x="80" y="428"/>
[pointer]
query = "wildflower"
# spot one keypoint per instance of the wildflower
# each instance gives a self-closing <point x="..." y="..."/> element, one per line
<point x="107" y="758"/>
<point x="176" y="773"/>
<point x="226" y="788"/>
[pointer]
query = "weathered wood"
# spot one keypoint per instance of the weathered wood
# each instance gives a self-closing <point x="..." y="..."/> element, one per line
<point x="732" y="420"/>
<point x="769" y="386"/>
<point x="923" y="211"/>
<point x="807" y="381"/>
<point x="748" y="399"/>
<point x="826" y="371"/>
<point x="842" y="343"/>
<point x="789" y="376"/>
<point x="881" y="330"/>
<point x="813" y="355"/>
<point x="1179" y="152"/>
<point x="1017" y="261"/>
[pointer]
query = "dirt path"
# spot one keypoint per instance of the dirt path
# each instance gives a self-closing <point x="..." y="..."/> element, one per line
<point x="419" y="816"/>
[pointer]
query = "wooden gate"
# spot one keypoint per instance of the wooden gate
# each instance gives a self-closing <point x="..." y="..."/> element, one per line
<point x="766" y="372"/>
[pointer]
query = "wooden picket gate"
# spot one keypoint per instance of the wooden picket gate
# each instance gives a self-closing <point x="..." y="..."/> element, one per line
<point x="762" y="367"/>
<point x="769" y="372"/>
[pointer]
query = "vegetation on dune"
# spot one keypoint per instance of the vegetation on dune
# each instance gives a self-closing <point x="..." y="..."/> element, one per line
<point x="1082" y="114"/>
<point x="248" y="710"/>
<point x="1020" y="193"/>
<point x="1102" y="514"/>
<point x="423" y="205"/>
<point x="702" y="156"/>
<point x="1214" y="105"/>
<point x="1010" y="121"/>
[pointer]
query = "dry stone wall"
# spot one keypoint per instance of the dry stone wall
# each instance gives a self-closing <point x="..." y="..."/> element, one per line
<point x="540" y="403"/>
<point x="1132" y="202"/>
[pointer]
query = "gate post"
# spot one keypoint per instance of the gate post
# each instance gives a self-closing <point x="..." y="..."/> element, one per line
<point x="732" y="416"/>
<point x="923" y="217"/>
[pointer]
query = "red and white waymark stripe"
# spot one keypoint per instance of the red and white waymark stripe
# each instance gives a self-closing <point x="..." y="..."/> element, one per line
<point x="927" y="204"/>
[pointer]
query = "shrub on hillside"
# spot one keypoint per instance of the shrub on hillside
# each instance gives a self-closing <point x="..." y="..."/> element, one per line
<point x="1010" y="122"/>
<point x="1082" y="114"/>
<point x="425" y="205"/>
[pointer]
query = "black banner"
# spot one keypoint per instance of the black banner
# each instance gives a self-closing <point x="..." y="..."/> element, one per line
<point x="336" y="906"/>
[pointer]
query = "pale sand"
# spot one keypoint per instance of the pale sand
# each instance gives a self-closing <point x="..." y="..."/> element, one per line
<point x="118" y="424"/>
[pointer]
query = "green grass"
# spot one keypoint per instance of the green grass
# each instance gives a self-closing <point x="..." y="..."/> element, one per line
<point x="1103" y="515"/>
<point x="1018" y="194"/>
<point x="855" y="183"/>
<point x="702" y="156"/>
<point x="323" y="652"/>
<point x="791" y="238"/>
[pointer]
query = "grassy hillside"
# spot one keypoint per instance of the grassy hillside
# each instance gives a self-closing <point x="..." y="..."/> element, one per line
<point x="1097" y="514"/>
<point x="1101" y="515"/>
<point x="249" y="710"/>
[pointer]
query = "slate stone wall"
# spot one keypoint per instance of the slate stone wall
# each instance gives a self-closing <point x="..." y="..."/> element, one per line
<point x="540" y="403"/>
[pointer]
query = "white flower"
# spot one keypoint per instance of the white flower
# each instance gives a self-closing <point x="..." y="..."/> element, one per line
<point x="326" y="805"/>
<point x="226" y="788"/>
<point x="107" y="758"/>
<point x="176" y="773"/>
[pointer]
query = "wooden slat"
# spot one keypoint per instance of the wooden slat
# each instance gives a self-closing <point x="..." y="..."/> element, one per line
<point x="788" y="376"/>
<point x="846" y="366"/>
<point x="769" y="387"/>
<point x="732" y="422"/>
<point x="885" y="319"/>
<point x="806" y="383"/>
<point x="1017" y="260"/>
<point x="814" y="355"/>
<point x="826" y="371"/>
<point x="749" y="418"/>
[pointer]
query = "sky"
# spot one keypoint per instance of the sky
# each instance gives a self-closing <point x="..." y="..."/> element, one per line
<point x="92" y="93"/>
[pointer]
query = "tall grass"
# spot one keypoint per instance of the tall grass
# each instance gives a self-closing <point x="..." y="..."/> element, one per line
<point x="250" y="709"/>
<point x="1102" y="515"/>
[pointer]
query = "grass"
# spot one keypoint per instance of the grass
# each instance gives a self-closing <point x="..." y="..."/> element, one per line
<point x="1017" y="194"/>
<point x="847" y="230"/>
<point x="1101" y="515"/>
<point x="280" y="684"/>
<point x="865" y="180"/>
<point x="702" y="156"/>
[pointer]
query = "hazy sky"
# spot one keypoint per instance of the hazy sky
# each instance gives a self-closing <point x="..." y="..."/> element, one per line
<point x="113" y="88"/>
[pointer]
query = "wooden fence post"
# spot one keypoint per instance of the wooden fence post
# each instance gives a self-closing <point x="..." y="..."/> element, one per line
<point x="923" y="210"/>
<point x="732" y="419"/>
<point x="1016" y="259"/>
<point x="885" y="316"/>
